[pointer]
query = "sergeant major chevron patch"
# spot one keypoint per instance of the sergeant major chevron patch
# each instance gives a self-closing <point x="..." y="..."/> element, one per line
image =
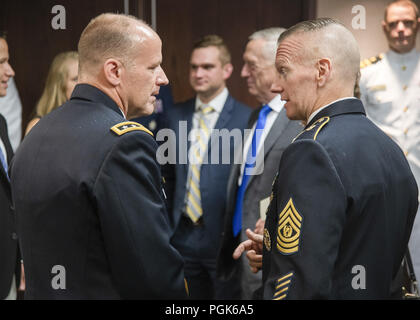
<point x="288" y="230"/>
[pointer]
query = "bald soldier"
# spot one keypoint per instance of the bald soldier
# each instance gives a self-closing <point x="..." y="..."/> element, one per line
<point x="86" y="185"/>
<point x="344" y="199"/>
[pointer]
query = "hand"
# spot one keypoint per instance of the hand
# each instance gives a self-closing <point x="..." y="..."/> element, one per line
<point x="22" y="285"/>
<point x="253" y="246"/>
<point x="259" y="226"/>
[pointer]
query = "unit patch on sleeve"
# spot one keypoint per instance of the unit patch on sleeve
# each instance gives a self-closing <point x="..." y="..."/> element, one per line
<point x="267" y="240"/>
<point x="128" y="126"/>
<point x="288" y="230"/>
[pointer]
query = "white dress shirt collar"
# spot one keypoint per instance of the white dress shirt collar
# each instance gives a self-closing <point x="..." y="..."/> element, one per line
<point x="402" y="57"/>
<point x="276" y="104"/>
<point x="217" y="103"/>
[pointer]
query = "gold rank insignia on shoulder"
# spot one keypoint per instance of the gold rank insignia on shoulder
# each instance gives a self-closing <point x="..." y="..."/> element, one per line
<point x="379" y="87"/>
<point x="288" y="230"/>
<point x="282" y="286"/>
<point x="267" y="240"/>
<point x="186" y="287"/>
<point x="318" y="125"/>
<point x="128" y="126"/>
<point x="372" y="60"/>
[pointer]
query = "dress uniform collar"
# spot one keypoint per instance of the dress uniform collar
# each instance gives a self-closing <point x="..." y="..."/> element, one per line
<point x="402" y="57"/>
<point x="342" y="106"/>
<point x="88" y="92"/>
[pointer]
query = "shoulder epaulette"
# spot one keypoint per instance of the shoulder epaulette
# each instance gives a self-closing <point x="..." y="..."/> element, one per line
<point x="128" y="126"/>
<point x="312" y="131"/>
<point x="371" y="60"/>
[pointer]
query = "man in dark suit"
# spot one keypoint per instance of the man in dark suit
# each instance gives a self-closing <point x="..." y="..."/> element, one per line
<point x="248" y="197"/>
<point x="9" y="253"/>
<point x="345" y="199"/>
<point x="199" y="191"/>
<point x="86" y="184"/>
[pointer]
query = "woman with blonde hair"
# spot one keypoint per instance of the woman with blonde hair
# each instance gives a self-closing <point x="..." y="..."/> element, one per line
<point x="61" y="80"/>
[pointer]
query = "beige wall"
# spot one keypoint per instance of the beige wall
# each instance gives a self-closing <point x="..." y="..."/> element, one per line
<point x="371" y="40"/>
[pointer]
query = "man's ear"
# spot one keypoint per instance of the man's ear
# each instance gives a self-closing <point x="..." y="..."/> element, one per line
<point x="324" y="71"/>
<point x="227" y="71"/>
<point x="384" y="27"/>
<point x="113" y="71"/>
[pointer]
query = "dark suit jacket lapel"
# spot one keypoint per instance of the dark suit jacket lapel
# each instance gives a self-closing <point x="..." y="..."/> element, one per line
<point x="223" y="119"/>
<point x="187" y="115"/>
<point x="276" y="130"/>
<point x="226" y="114"/>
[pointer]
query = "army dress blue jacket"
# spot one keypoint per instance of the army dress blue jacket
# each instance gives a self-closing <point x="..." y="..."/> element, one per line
<point x="342" y="210"/>
<point x="90" y="207"/>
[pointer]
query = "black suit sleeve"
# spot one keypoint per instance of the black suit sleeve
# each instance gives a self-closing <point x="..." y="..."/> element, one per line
<point x="305" y="224"/>
<point x="132" y="215"/>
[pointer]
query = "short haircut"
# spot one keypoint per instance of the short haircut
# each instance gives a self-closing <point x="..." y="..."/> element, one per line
<point x="108" y="36"/>
<point x="3" y="34"/>
<point x="336" y="42"/>
<point x="270" y="35"/>
<point x="308" y="26"/>
<point x="403" y="3"/>
<point x="213" y="40"/>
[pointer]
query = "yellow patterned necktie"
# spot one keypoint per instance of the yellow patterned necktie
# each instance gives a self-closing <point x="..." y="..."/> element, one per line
<point x="193" y="198"/>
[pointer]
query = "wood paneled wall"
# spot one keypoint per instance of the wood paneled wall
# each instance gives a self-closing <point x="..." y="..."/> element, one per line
<point x="34" y="43"/>
<point x="180" y="23"/>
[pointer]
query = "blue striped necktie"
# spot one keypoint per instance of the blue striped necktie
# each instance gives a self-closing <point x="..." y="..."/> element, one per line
<point x="3" y="162"/>
<point x="249" y="165"/>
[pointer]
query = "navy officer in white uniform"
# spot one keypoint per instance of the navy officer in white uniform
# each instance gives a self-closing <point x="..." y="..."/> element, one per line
<point x="390" y="91"/>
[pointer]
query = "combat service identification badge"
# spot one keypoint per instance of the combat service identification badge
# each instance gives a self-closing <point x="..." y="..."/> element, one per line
<point x="288" y="231"/>
<point x="267" y="240"/>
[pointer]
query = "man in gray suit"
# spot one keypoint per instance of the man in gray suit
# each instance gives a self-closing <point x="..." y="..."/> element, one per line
<point x="249" y="185"/>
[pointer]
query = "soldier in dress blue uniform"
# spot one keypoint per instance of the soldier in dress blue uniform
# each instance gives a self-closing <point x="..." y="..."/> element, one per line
<point x="344" y="199"/>
<point x="390" y="91"/>
<point x="86" y="185"/>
